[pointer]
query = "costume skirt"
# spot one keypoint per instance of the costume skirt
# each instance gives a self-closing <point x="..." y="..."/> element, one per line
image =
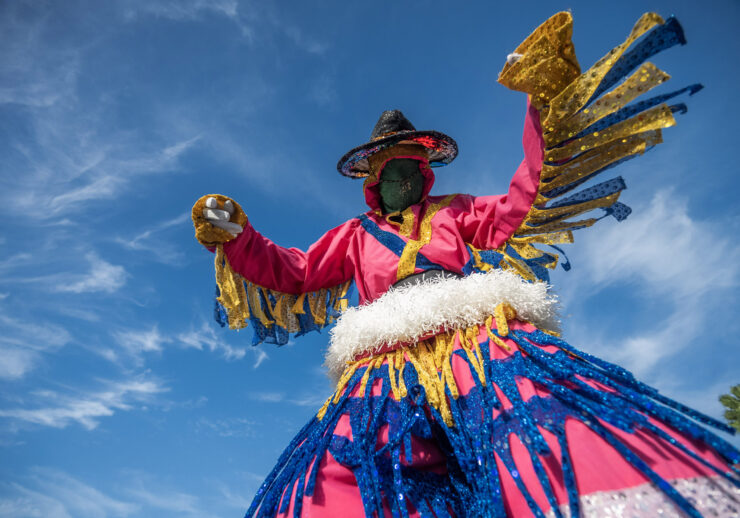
<point x="500" y="420"/>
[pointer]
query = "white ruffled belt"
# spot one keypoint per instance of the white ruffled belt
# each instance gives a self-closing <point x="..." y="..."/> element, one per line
<point x="408" y="313"/>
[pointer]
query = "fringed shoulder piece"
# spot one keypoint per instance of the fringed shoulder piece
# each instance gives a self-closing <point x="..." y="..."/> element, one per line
<point x="274" y="315"/>
<point x="590" y="124"/>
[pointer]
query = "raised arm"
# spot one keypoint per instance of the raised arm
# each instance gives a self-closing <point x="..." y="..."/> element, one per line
<point x="589" y="124"/>
<point x="491" y="220"/>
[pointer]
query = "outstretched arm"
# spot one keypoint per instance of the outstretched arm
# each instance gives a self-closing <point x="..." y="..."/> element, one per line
<point x="290" y="270"/>
<point x="278" y="290"/>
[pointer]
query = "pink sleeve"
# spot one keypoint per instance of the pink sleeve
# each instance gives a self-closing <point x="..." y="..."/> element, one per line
<point x="325" y="264"/>
<point x="493" y="219"/>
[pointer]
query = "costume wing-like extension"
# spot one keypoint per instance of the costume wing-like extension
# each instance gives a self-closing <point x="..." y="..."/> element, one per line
<point x="590" y="124"/>
<point x="274" y="315"/>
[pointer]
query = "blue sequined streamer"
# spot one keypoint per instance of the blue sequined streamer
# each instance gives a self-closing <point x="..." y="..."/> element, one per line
<point x="472" y="486"/>
<point x="658" y="39"/>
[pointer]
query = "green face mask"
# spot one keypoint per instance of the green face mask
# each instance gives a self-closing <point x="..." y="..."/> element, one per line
<point x="401" y="184"/>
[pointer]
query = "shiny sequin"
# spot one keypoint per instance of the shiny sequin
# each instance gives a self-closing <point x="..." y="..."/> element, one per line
<point x="587" y="128"/>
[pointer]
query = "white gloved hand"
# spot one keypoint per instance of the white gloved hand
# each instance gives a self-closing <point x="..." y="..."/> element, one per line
<point x="513" y="58"/>
<point x="221" y="217"/>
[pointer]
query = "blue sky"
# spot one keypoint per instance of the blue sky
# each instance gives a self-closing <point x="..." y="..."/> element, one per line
<point x="118" y="394"/>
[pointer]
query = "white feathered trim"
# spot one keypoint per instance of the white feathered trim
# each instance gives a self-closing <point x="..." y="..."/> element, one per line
<point x="408" y="313"/>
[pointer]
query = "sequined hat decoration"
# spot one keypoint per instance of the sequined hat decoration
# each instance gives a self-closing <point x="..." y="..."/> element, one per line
<point x="393" y="127"/>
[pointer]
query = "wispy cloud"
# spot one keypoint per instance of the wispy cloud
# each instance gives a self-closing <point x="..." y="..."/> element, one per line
<point x="323" y="91"/>
<point x="181" y="9"/>
<point x="230" y="427"/>
<point x="161" y="250"/>
<point x="33" y="74"/>
<point x="103" y="276"/>
<point x="206" y="338"/>
<point x="254" y="20"/>
<point x="168" y="500"/>
<point x="304" y="400"/>
<point x="135" y="343"/>
<point x="59" y="410"/>
<point x="679" y="266"/>
<point x="54" y="493"/>
<point x="23" y="344"/>
<point x="103" y="179"/>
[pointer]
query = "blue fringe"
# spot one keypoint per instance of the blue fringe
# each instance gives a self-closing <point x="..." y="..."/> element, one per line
<point x="660" y="38"/>
<point x="275" y="334"/>
<point x="472" y="486"/>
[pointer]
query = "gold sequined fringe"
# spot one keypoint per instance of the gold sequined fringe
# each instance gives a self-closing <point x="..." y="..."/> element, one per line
<point x="431" y="360"/>
<point x="241" y="299"/>
<point x="549" y="72"/>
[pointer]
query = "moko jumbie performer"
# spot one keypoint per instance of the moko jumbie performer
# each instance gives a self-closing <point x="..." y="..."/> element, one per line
<point x="455" y="394"/>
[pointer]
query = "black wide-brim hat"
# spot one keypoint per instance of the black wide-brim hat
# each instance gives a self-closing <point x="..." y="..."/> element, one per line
<point x="392" y="128"/>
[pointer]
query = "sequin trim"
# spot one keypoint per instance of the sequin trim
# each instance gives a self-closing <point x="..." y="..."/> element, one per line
<point x="274" y="315"/>
<point x="712" y="496"/>
<point x="587" y="127"/>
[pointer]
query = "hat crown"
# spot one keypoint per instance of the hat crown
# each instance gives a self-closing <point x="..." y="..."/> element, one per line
<point x="390" y="122"/>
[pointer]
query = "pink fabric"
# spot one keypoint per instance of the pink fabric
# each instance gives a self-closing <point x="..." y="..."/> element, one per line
<point x="349" y="252"/>
<point x="337" y="493"/>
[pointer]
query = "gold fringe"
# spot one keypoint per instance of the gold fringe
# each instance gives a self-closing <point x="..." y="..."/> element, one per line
<point x="548" y="71"/>
<point x="432" y="360"/>
<point x="232" y="295"/>
<point x="241" y="299"/>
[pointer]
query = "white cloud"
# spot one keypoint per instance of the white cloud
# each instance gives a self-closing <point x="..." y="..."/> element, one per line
<point x="136" y="343"/>
<point x="23" y="343"/>
<point x="103" y="276"/>
<point x="312" y="399"/>
<point x="231" y="427"/>
<point x="679" y="267"/>
<point x="205" y="338"/>
<point x="104" y="178"/>
<point x="261" y="357"/>
<point x="666" y="250"/>
<point x="162" y="251"/>
<point x="59" y="410"/>
<point x="33" y="74"/>
<point x="16" y="362"/>
<point x="323" y="92"/>
<point x="267" y="397"/>
<point x="181" y="9"/>
<point x="172" y="501"/>
<point x="256" y="21"/>
<point x="52" y="493"/>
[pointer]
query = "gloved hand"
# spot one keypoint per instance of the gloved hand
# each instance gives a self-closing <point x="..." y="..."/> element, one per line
<point x="217" y="219"/>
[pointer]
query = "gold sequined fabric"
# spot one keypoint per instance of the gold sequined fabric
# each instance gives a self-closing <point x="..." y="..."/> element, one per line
<point x="207" y="234"/>
<point x="432" y="359"/>
<point x="407" y="262"/>
<point x="242" y="299"/>
<point x="548" y="61"/>
<point x="549" y="73"/>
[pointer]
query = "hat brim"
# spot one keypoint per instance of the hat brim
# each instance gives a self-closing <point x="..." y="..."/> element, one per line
<point x="442" y="151"/>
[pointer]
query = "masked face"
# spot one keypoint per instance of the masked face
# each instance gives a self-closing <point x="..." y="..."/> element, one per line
<point x="401" y="184"/>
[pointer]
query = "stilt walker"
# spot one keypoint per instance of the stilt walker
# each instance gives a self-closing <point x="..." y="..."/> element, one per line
<point x="456" y="395"/>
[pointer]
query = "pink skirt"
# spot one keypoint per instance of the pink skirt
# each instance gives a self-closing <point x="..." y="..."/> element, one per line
<point x="510" y="423"/>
